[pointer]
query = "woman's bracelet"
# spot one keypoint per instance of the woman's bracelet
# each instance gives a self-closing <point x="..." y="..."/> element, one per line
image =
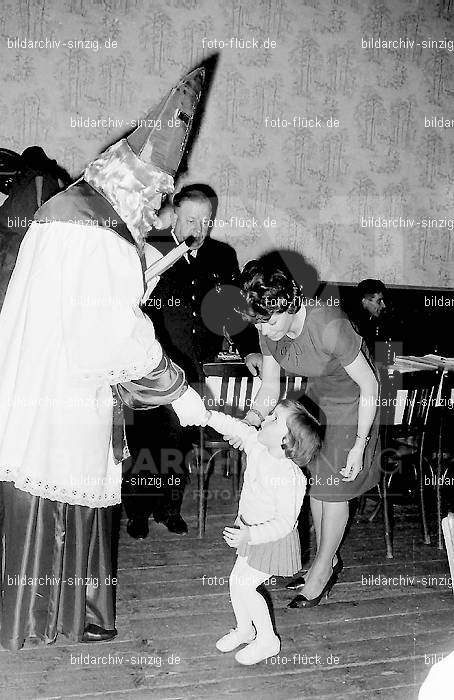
<point x="257" y="413"/>
<point x="363" y="438"/>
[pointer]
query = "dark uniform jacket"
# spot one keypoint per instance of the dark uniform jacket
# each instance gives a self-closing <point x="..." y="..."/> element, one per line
<point x="379" y="333"/>
<point x="193" y="302"/>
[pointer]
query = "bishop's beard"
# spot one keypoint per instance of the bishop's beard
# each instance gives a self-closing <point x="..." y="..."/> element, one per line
<point x="121" y="177"/>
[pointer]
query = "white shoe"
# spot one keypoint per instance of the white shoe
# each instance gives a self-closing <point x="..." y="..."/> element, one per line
<point x="233" y="639"/>
<point x="258" y="650"/>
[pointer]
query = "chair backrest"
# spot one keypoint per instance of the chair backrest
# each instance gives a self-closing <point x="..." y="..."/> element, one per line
<point x="230" y="387"/>
<point x="422" y="390"/>
<point x="448" y="531"/>
<point x="445" y="396"/>
<point x="292" y="385"/>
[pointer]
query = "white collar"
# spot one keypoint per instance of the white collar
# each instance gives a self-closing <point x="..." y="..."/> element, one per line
<point x="301" y="317"/>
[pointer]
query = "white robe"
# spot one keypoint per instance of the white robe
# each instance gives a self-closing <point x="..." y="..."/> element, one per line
<point x="70" y="327"/>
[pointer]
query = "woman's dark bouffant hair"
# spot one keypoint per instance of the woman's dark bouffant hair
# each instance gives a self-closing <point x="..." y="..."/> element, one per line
<point x="268" y="287"/>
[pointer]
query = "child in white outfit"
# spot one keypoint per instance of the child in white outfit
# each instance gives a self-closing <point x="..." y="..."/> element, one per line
<point x="265" y="533"/>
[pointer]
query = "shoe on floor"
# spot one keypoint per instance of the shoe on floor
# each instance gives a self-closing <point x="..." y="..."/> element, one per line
<point x="138" y="527"/>
<point x="233" y="639"/>
<point x="173" y="522"/>
<point x="94" y="633"/>
<point x="258" y="650"/>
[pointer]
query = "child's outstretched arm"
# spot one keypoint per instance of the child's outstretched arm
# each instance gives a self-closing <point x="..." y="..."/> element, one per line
<point x="232" y="427"/>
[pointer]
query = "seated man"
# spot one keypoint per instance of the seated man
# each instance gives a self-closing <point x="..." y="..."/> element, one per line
<point x="190" y="307"/>
<point x="373" y="320"/>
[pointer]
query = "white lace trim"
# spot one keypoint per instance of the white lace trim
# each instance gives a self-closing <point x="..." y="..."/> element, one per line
<point x="117" y="376"/>
<point x="74" y="497"/>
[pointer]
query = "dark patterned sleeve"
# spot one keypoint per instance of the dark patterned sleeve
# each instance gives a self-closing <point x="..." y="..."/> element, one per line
<point x="164" y="384"/>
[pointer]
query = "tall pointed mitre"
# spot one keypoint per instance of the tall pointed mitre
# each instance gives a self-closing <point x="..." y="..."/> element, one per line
<point x="161" y="138"/>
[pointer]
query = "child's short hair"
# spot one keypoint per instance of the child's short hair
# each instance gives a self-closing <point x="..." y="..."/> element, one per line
<point x="305" y="432"/>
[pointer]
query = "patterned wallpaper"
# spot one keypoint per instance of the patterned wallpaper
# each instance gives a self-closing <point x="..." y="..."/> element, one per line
<point x="313" y="142"/>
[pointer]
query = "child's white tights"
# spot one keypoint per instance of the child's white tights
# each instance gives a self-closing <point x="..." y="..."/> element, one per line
<point x="248" y="605"/>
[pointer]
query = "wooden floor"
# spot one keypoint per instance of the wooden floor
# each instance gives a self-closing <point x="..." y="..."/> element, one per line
<point x="372" y="639"/>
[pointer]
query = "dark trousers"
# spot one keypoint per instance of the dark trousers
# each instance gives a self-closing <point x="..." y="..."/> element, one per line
<point x="158" y="467"/>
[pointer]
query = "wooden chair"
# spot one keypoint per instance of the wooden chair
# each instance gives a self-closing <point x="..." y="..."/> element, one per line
<point x="406" y="441"/>
<point x="445" y="401"/>
<point x="228" y="387"/>
<point x="448" y="531"/>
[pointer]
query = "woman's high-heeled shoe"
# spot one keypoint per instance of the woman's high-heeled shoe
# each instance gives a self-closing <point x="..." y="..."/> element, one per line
<point x="338" y="566"/>
<point x="297" y="582"/>
<point x="300" y="601"/>
<point x="300" y="580"/>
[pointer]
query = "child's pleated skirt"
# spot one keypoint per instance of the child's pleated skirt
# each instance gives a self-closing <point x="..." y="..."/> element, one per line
<point x="279" y="558"/>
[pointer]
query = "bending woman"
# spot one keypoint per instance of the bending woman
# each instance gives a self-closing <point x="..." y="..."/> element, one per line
<point x="317" y="341"/>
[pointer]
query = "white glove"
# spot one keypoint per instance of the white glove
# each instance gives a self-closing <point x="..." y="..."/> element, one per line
<point x="190" y="408"/>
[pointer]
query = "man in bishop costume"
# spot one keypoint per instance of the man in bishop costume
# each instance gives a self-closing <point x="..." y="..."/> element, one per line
<point x="72" y="338"/>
